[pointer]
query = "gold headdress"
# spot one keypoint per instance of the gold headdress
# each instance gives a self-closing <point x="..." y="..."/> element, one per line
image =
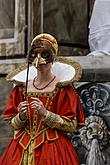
<point x="46" y="37"/>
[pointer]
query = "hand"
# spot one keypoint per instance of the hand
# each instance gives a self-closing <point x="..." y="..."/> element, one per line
<point x="22" y="110"/>
<point x="38" y="105"/>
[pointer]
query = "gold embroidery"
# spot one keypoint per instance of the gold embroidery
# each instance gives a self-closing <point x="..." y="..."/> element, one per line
<point x="56" y="136"/>
<point x="21" y="158"/>
<point x="8" y="117"/>
<point x="49" y="99"/>
<point x="46" y="94"/>
<point x="55" y="121"/>
<point x="16" y="123"/>
<point x="35" y="122"/>
<point x="28" y="158"/>
<point x="41" y="141"/>
<point x="69" y="126"/>
<point x="40" y="132"/>
<point x="20" y="142"/>
<point x="47" y="102"/>
<point x="17" y="131"/>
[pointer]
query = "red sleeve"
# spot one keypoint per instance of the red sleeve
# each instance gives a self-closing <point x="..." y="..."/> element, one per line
<point x="11" y="107"/>
<point x="69" y="106"/>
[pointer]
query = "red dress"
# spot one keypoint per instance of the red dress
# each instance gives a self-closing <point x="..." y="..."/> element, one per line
<point x="51" y="146"/>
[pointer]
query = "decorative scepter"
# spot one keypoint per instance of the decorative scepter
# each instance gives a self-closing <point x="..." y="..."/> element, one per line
<point x="27" y="75"/>
<point x="29" y="61"/>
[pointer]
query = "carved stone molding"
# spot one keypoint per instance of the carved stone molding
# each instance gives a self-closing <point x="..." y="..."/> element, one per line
<point x="92" y="142"/>
<point x="95" y="98"/>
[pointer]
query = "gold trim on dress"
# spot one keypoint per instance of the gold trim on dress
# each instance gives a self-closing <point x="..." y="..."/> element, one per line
<point x="43" y="138"/>
<point x="9" y="117"/>
<point x="51" y="94"/>
<point x="20" y="141"/>
<point x="56" y="136"/>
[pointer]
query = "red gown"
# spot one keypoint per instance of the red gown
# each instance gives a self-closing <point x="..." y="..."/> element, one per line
<point x="51" y="146"/>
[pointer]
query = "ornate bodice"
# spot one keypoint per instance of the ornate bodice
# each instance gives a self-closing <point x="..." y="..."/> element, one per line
<point x="35" y="122"/>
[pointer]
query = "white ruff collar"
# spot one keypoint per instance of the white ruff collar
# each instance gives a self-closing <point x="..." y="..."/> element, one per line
<point x="66" y="71"/>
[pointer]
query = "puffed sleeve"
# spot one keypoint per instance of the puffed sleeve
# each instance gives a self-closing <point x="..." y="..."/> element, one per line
<point x="15" y="98"/>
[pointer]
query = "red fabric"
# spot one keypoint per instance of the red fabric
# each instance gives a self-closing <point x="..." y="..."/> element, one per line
<point x="15" y="98"/>
<point x="13" y="154"/>
<point x="68" y="104"/>
<point x="58" y="152"/>
<point x="54" y="148"/>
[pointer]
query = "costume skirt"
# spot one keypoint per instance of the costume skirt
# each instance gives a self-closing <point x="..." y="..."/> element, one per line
<point x="57" y="152"/>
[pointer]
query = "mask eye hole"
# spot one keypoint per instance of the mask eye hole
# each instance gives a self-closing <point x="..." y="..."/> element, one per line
<point x="32" y="57"/>
<point x="46" y="54"/>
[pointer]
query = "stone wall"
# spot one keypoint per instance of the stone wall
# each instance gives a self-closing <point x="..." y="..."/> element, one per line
<point x="12" y="28"/>
<point x="5" y="130"/>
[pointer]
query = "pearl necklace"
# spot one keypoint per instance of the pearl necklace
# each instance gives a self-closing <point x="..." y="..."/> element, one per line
<point x="45" y="85"/>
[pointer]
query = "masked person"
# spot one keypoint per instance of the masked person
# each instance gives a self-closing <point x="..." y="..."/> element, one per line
<point x="51" y="108"/>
